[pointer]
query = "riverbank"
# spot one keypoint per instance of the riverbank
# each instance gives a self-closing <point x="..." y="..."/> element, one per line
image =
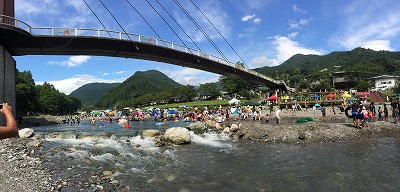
<point x="21" y="166"/>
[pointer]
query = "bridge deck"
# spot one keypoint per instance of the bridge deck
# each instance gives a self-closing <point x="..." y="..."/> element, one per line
<point x="21" y="39"/>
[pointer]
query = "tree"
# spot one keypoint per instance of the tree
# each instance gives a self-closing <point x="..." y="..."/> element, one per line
<point x="209" y="89"/>
<point x="26" y="92"/>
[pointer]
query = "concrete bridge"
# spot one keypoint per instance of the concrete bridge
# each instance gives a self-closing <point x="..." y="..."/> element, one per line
<point x="18" y="38"/>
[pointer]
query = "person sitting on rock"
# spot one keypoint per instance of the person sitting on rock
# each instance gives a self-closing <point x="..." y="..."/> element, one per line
<point x="10" y="130"/>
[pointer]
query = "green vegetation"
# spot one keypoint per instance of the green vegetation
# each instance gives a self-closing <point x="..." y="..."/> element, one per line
<point x="144" y="88"/>
<point x="90" y="93"/>
<point x="42" y="98"/>
<point x="363" y="63"/>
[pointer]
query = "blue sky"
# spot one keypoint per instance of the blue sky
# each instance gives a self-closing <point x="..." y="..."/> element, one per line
<point x="263" y="33"/>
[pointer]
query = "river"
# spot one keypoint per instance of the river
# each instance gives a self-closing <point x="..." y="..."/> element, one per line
<point x="214" y="162"/>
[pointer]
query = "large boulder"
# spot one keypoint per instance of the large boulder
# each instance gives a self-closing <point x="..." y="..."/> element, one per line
<point x="198" y="127"/>
<point x="151" y="133"/>
<point x="177" y="135"/>
<point x="211" y="124"/>
<point x="234" y="127"/>
<point x="25" y="133"/>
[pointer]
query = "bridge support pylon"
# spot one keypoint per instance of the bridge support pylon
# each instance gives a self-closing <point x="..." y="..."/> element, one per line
<point x="7" y="81"/>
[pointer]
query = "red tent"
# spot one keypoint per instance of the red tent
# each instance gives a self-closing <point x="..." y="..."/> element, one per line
<point x="273" y="97"/>
<point x="330" y="96"/>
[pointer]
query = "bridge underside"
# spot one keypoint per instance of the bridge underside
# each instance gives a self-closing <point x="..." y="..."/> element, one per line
<point x="18" y="42"/>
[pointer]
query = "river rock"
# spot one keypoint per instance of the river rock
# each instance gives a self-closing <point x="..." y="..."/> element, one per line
<point x="226" y="130"/>
<point x="151" y="133"/>
<point x="234" y="127"/>
<point x="211" y="124"/>
<point x="198" y="127"/>
<point x="177" y="135"/>
<point x="218" y="126"/>
<point x="25" y="133"/>
<point x="34" y="143"/>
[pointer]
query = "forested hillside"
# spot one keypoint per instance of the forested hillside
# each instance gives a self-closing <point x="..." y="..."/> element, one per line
<point x="366" y="62"/>
<point x="90" y="94"/>
<point x="141" y="88"/>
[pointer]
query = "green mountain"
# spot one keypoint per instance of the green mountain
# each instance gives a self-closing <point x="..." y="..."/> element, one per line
<point x="366" y="62"/>
<point x="141" y="84"/>
<point x="90" y="94"/>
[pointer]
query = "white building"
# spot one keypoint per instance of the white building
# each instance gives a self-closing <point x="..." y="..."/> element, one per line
<point x="384" y="82"/>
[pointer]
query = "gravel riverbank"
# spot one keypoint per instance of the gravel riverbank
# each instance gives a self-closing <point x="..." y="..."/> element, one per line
<point x="22" y="167"/>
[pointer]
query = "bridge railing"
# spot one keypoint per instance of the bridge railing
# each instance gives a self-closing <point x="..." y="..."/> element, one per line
<point x="10" y="21"/>
<point x="87" y="32"/>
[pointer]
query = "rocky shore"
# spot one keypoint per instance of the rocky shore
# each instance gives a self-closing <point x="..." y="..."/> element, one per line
<point x="22" y="168"/>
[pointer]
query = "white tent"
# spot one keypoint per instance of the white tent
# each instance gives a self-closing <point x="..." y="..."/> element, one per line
<point x="234" y="101"/>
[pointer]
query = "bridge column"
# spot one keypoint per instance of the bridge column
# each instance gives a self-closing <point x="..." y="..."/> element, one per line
<point x="7" y="7"/>
<point x="7" y="81"/>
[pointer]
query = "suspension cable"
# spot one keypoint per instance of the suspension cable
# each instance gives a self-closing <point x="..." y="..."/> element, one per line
<point x="219" y="33"/>
<point x="168" y="25"/>
<point x="97" y="18"/>
<point x="178" y="25"/>
<point x="144" y="20"/>
<point x="201" y="30"/>
<point x="116" y="20"/>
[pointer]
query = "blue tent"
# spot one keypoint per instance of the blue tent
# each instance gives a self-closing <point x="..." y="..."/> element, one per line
<point x="172" y="111"/>
<point x="316" y="96"/>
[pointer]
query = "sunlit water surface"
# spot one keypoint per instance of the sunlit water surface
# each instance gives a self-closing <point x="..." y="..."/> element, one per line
<point x="214" y="162"/>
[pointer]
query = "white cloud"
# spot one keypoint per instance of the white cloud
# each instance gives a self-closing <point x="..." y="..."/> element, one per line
<point x="259" y="61"/>
<point x="25" y="7"/>
<point x="294" y="24"/>
<point x="378" y="45"/>
<point x="377" y="26"/>
<point x="68" y="85"/>
<point x="284" y="49"/>
<point x="114" y="73"/>
<point x="72" y="61"/>
<point x="257" y="20"/>
<point x="297" y="9"/>
<point x="292" y="35"/>
<point x="248" y="17"/>
<point x="189" y="76"/>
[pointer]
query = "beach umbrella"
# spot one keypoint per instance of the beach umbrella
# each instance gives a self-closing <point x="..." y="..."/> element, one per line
<point x="285" y="97"/>
<point x="346" y="95"/>
<point x="330" y="96"/>
<point x="273" y="97"/>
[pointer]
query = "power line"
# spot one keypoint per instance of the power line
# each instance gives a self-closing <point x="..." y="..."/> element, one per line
<point x="97" y="18"/>
<point x="201" y="30"/>
<point x="219" y="33"/>
<point x="178" y="25"/>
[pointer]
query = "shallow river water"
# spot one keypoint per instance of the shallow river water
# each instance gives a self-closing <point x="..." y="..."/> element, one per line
<point x="214" y="162"/>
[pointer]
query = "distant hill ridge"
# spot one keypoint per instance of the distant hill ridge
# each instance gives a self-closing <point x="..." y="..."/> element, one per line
<point x="90" y="93"/>
<point x="139" y="84"/>
<point x="358" y="59"/>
